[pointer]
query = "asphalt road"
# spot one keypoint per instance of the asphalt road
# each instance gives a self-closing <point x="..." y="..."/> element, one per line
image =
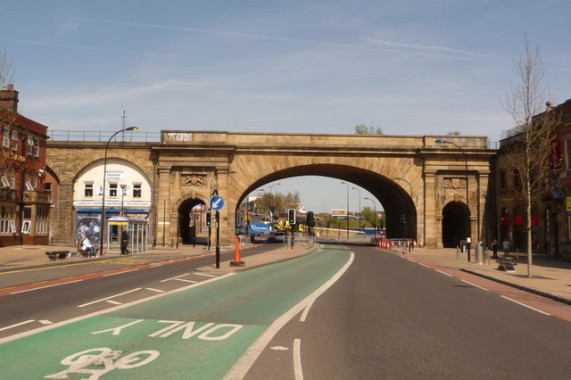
<point x="389" y="318"/>
<point x="375" y="316"/>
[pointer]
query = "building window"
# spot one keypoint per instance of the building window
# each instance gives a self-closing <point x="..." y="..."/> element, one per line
<point x="6" y="137"/>
<point x="12" y="177"/>
<point x="516" y="179"/>
<point x="33" y="146"/>
<point x="502" y="181"/>
<point x="113" y="190"/>
<point x="88" y="190"/>
<point x="137" y="192"/>
<point x="15" y="140"/>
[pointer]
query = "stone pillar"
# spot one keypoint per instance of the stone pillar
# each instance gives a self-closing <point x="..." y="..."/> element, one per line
<point x="480" y="228"/>
<point x="432" y="212"/>
<point x="64" y="231"/>
<point x="163" y="207"/>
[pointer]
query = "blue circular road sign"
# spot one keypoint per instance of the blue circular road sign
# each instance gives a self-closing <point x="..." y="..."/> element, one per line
<point x="216" y="203"/>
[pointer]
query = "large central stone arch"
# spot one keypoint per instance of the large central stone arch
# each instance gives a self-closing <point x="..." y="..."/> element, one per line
<point x="396" y="202"/>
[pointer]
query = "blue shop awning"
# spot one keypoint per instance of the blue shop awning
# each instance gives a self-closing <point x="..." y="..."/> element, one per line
<point x="114" y="210"/>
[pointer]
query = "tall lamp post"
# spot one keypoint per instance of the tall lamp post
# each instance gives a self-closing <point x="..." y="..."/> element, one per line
<point x="345" y="183"/>
<point x="123" y="187"/>
<point x="103" y="225"/>
<point x="359" y="191"/>
<point x="375" y="209"/>
<point x="468" y="238"/>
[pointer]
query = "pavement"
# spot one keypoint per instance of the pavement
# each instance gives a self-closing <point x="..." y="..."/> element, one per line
<point x="551" y="279"/>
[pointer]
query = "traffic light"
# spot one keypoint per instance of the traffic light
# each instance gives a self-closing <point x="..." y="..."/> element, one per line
<point x="310" y="220"/>
<point x="291" y="216"/>
<point x="208" y="219"/>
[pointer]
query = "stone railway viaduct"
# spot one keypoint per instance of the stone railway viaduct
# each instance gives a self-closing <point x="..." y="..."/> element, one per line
<point x="184" y="168"/>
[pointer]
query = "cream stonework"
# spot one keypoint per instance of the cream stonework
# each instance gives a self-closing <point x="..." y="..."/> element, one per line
<point x="191" y="165"/>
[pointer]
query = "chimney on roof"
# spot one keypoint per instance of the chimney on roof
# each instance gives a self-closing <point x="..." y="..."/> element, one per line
<point x="9" y="98"/>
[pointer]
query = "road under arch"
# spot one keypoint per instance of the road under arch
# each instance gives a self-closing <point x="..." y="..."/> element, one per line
<point x="400" y="210"/>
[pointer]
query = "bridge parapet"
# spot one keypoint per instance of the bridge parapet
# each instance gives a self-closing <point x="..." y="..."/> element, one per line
<point x="326" y="141"/>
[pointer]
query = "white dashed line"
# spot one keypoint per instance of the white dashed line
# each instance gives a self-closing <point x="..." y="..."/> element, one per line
<point x="45" y="287"/>
<point x="17" y="324"/>
<point x="524" y="305"/>
<point x="108" y="298"/>
<point x="297" y="370"/>
<point x="477" y="286"/>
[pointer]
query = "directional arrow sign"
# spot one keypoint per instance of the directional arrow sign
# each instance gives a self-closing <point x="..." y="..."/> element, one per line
<point x="216" y="203"/>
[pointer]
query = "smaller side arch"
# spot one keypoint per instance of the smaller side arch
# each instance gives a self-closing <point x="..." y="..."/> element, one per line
<point x="455" y="224"/>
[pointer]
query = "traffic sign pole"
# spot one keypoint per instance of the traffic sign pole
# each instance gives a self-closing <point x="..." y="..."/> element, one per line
<point x="217" y="239"/>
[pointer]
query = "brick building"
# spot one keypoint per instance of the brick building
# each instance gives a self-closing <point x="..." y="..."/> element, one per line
<point x="24" y="201"/>
<point x="550" y="208"/>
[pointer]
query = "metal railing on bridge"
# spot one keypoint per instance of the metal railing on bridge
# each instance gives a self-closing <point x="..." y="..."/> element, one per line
<point x="103" y="136"/>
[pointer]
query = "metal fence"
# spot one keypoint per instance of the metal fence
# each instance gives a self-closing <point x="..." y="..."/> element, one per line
<point x="104" y="136"/>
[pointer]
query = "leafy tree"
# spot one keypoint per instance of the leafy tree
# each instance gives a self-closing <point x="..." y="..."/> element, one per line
<point x="362" y="129"/>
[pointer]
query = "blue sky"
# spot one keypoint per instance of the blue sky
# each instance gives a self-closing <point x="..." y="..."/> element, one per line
<point x="410" y="67"/>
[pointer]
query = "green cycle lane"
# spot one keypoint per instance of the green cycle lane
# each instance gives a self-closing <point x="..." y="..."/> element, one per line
<point x="196" y="333"/>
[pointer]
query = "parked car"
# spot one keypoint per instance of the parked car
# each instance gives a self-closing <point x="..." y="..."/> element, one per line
<point x="277" y="236"/>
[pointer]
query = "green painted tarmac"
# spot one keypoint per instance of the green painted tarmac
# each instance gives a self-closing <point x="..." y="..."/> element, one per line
<point x="197" y="333"/>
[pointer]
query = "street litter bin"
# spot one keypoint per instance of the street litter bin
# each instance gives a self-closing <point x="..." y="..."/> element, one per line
<point x="480" y="252"/>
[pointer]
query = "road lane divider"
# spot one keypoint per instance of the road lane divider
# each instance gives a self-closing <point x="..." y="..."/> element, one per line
<point x="242" y="366"/>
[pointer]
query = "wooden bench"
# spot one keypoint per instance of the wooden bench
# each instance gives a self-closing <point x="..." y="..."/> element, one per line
<point x="507" y="263"/>
<point x="57" y="255"/>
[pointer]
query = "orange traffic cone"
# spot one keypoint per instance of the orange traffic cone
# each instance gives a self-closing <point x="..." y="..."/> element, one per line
<point x="237" y="260"/>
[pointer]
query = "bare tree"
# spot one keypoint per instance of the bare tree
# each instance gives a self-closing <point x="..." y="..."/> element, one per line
<point x="530" y="142"/>
<point x="7" y="115"/>
<point x="6" y="68"/>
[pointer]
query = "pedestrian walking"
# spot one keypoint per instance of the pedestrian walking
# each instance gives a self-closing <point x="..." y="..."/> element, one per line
<point x="124" y="241"/>
<point x="495" y="247"/>
<point x="506" y="247"/>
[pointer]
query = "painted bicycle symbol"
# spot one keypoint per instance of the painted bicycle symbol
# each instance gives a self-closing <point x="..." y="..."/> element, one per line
<point x="96" y="362"/>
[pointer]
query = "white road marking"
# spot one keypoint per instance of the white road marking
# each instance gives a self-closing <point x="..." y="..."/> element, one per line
<point x="101" y="312"/>
<point x="477" y="286"/>
<point x="46" y="322"/>
<point x="113" y="302"/>
<point x="108" y="298"/>
<point x="279" y="348"/>
<point x="444" y="273"/>
<point x="183" y="280"/>
<point x="17" y="324"/>
<point x="118" y="273"/>
<point x="241" y="367"/>
<point x="174" y="278"/>
<point x="155" y="290"/>
<point x="524" y="305"/>
<point x="305" y="312"/>
<point x="424" y="265"/>
<point x="205" y="274"/>
<point x="45" y="287"/>
<point x="297" y="370"/>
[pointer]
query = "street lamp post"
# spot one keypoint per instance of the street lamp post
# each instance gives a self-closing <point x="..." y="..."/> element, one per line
<point x="375" y="209"/>
<point x="468" y="238"/>
<point x="123" y="187"/>
<point x="345" y="183"/>
<point x="103" y="225"/>
<point x="359" y="191"/>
